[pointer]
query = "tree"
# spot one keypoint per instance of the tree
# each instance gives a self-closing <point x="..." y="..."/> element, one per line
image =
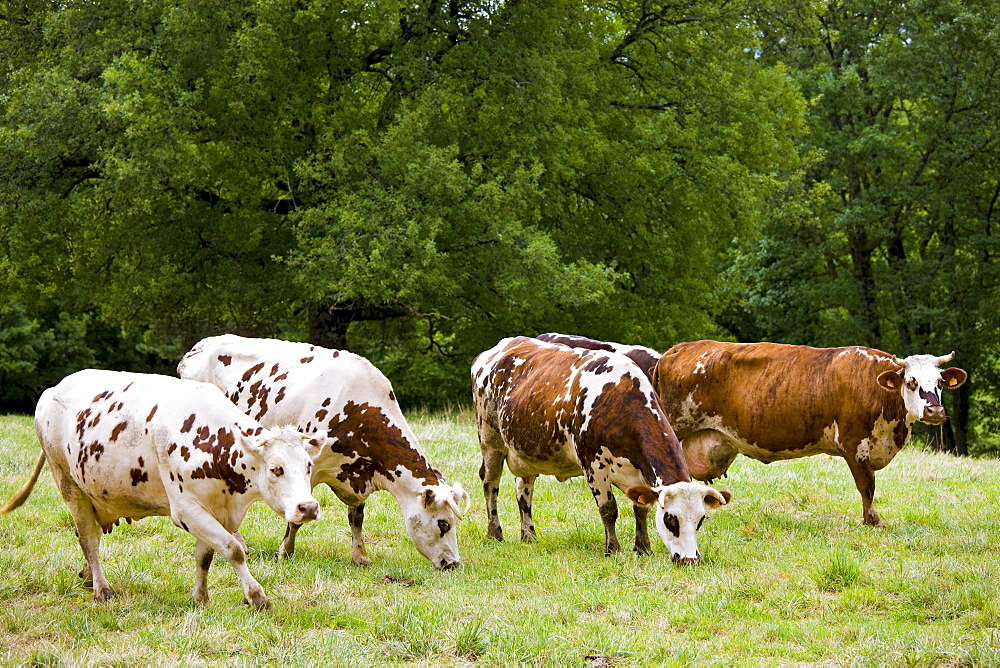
<point x="456" y="171"/>
<point x="898" y="249"/>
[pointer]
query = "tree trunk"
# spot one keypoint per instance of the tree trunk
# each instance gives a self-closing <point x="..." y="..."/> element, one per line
<point x="864" y="280"/>
<point x="329" y="323"/>
<point x="328" y="327"/>
<point x="952" y="436"/>
<point x="959" y="421"/>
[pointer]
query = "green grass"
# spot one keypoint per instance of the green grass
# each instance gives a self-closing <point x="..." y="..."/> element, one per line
<point x="789" y="576"/>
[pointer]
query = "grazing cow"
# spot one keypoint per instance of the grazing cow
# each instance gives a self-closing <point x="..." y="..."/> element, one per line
<point x="770" y="402"/>
<point x="547" y="409"/>
<point x="134" y="445"/>
<point x="371" y="447"/>
<point x="645" y="357"/>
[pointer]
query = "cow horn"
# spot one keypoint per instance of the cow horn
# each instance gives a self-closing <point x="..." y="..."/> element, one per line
<point x="898" y="361"/>
<point x="454" y="506"/>
<point x="460" y="491"/>
<point x="946" y="358"/>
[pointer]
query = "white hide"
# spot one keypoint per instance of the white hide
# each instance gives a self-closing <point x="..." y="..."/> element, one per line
<point x="924" y="372"/>
<point x="688" y="502"/>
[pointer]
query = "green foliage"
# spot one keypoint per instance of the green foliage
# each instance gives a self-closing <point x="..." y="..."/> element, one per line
<point x="473" y="170"/>
<point x="36" y="353"/>
<point x="888" y="240"/>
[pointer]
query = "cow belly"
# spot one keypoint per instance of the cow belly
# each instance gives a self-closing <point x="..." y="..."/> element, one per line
<point x="141" y="494"/>
<point x="560" y="467"/>
<point x="774" y="448"/>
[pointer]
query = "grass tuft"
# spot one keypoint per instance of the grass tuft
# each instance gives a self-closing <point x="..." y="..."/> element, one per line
<point x="840" y="571"/>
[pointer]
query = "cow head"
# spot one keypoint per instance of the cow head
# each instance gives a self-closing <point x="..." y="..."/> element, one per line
<point x="680" y="510"/>
<point x="432" y="522"/>
<point x="283" y="471"/>
<point x="920" y="381"/>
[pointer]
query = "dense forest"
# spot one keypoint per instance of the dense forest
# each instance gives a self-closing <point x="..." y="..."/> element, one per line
<point x="415" y="180"/>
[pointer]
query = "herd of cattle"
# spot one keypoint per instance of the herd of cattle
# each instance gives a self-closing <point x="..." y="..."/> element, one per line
<point x="262" y="419"/>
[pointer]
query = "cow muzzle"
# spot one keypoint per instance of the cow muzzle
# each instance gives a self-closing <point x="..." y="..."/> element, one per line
<point x="449" y="565"/>
<point x="685" y="561"/>
<point x="934" y="415"/>
<point x="307" y="511"/>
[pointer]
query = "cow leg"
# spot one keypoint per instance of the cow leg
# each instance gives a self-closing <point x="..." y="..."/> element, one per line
<point x="608" y="508"/>
<point x="642" y="545"/>
<point x="356" y="519"/>
<point x="203" y="554"/>
<point x="212" y="535"/>
<point x="88" y="532"/>
<point x="494" y="455"/>
<point x="525" y="492"/>
<point x="864" y="478"/>
<point x="287" y="548"/>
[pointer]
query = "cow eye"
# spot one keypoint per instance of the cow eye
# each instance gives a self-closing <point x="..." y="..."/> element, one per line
<point x="444" y="526"/>
<point x="277" y="471"/>
<point x="912" y="384"/>
<point x="671" y="524"/>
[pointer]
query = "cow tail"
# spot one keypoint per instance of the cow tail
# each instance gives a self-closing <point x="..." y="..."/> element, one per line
<point x="23" y="494"/>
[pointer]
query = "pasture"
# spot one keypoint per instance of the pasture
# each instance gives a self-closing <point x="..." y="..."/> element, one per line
<point x="789" y="575"/>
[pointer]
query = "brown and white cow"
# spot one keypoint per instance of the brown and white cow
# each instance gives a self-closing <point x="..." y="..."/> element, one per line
<point x="547" y="409"/>
<point x="370" y="445"/>
<point x="135" y="445"/>
<point x="771" y="402"/>
<point x="645" y="358"/>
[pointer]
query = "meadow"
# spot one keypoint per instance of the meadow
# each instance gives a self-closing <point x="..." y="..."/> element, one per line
<point x="789" y="575"/>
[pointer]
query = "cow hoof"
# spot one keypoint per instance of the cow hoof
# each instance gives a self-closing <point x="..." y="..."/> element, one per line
<point x="104" y="594"/>
<point x="258" y="602"/>
<point x="495" y="535"/>
<point x="528" y="537"/>
<point x="361" y="561"/>
<point x="872" y="519"/>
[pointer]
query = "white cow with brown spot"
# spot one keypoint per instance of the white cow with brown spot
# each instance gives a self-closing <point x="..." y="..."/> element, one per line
<point x="371" y="447"/>
<point x="127" y="445"/>
<point x="546" y="409"/>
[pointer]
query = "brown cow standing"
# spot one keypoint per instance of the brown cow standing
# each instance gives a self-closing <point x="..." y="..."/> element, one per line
<point x="771" y="402"/>
<point x="547" y="409"/>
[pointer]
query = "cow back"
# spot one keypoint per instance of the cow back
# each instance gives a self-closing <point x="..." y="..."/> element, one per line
<point x="778" y="397"/>
<point x="546" y="399"/>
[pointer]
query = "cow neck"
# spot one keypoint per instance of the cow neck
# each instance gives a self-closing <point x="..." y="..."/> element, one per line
<point x="628" y="420"/>
<point x="381" y="452"/>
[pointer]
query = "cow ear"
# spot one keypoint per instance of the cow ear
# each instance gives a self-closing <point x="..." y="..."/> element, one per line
<point x="255" y="443"/>
<point x="429" y="498"/>
<point x="641" y="495"/>
<point x="654" y="374"/>
<point x="953" y="377"/>
<point x="314" y="444"/>
<point x="890" y="380"/>
<point x="717" y="497"/>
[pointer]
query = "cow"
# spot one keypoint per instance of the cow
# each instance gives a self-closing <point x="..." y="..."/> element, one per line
<point x="645" y="358"/>
<point x="128" y="445"/>
<point x="546" y="409"/>
<point x="370" y="445"/>
<point x="772" y="402"/>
